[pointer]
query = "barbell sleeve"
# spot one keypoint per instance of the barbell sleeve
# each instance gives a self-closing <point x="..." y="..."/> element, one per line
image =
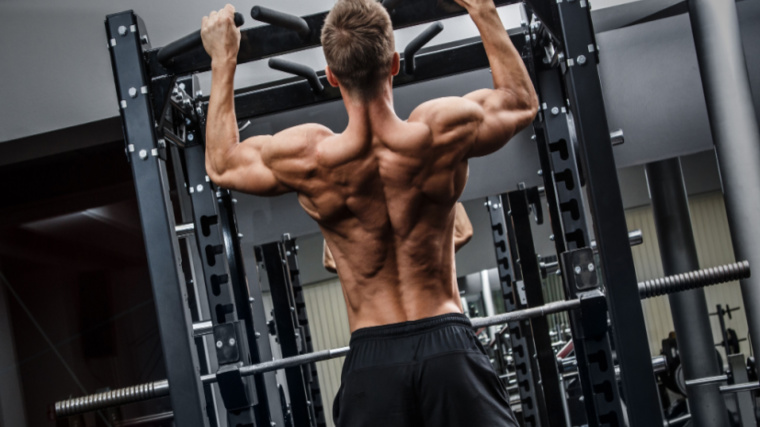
<point x="694" y="279"/>
<point x="121" y="396"/>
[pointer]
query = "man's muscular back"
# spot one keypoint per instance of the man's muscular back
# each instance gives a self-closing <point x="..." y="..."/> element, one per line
<point x="383" y="191"/>
<point x="383" y="194"/>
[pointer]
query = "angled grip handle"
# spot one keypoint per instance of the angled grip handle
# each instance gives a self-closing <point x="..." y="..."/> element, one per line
<point x="299" y="70"/>
<point x="281" y="19"/>
<point x="416" y="44"/>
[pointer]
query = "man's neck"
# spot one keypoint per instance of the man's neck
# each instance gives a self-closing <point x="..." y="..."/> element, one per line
<point x="376" y="113"/>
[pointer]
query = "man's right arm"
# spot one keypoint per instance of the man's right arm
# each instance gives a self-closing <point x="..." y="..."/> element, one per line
<point x="486" y="118"/>
<point x="512" y="104"/>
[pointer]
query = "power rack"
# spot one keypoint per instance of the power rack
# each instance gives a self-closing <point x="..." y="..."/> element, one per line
<point x="162" y="115"/>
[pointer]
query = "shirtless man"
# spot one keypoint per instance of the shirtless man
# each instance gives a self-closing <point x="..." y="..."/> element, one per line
<point x="383" y="193"/>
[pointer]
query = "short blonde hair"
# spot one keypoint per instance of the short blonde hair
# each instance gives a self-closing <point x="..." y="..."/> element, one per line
<point x="357" y="39"/>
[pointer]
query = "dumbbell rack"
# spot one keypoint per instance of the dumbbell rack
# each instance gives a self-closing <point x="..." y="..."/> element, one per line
<point x="561" y="53"/>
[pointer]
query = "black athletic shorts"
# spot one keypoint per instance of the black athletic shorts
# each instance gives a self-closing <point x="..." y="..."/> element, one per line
<point x="431" y="372"/>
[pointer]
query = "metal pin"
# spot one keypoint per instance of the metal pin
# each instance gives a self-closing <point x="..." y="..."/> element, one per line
<point x="617" y="137"/>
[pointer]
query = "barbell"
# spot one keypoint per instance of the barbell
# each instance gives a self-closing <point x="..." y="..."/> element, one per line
<point x="647" y="289"/>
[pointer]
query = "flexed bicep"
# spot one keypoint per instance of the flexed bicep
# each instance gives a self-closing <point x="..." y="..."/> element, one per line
<point x="244" y="168"/>
<point x="502" y="115"/>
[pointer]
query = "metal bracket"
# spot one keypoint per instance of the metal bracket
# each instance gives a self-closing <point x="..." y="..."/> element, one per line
<point x="182" y="117"/>
<point x="580" y="269"/>
<point x="594" y="313"/>
<point x="226" y="342"/>
<point x="232" y="388"/>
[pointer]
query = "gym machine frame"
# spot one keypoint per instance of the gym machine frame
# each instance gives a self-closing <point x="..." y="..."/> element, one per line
<point x="572" y="108"/>
<point x="561" y="34"/>
<point x="145" y="87"/>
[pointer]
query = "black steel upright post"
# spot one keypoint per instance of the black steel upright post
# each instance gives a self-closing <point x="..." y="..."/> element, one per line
<point x="289" y="334"/>
<point x="310" y="369"/>
<point x="679" y="254"/>
<point x="564" y="195"/>
<point x="734" y="128"/>
<point x="245" y="305"/>
<point x="587" y="104"/>
<point x="229" y="331"/>
<point x="547" y="360"/>
<point x="520" y="336"/>
<point x="149" y="170"/>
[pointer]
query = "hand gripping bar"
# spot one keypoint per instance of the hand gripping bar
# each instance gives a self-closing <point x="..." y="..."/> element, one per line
<point x="167" y="53"/>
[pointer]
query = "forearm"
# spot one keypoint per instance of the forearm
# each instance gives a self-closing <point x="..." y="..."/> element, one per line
<point x="221" y="124"/>
<point x="507" y="67"/>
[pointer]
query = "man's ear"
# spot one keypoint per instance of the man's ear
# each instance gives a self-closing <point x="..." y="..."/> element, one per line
<point x="331" y="77"/>
<point x="395" y="64"/>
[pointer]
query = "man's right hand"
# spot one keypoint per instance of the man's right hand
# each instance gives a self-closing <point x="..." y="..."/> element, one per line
<point x="221" y="38"/>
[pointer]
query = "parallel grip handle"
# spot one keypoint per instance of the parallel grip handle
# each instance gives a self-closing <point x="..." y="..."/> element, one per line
<point x="167" y="53"/>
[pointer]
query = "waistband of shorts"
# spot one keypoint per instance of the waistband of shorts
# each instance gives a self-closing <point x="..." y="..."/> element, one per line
<point x="411" y="327"/>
